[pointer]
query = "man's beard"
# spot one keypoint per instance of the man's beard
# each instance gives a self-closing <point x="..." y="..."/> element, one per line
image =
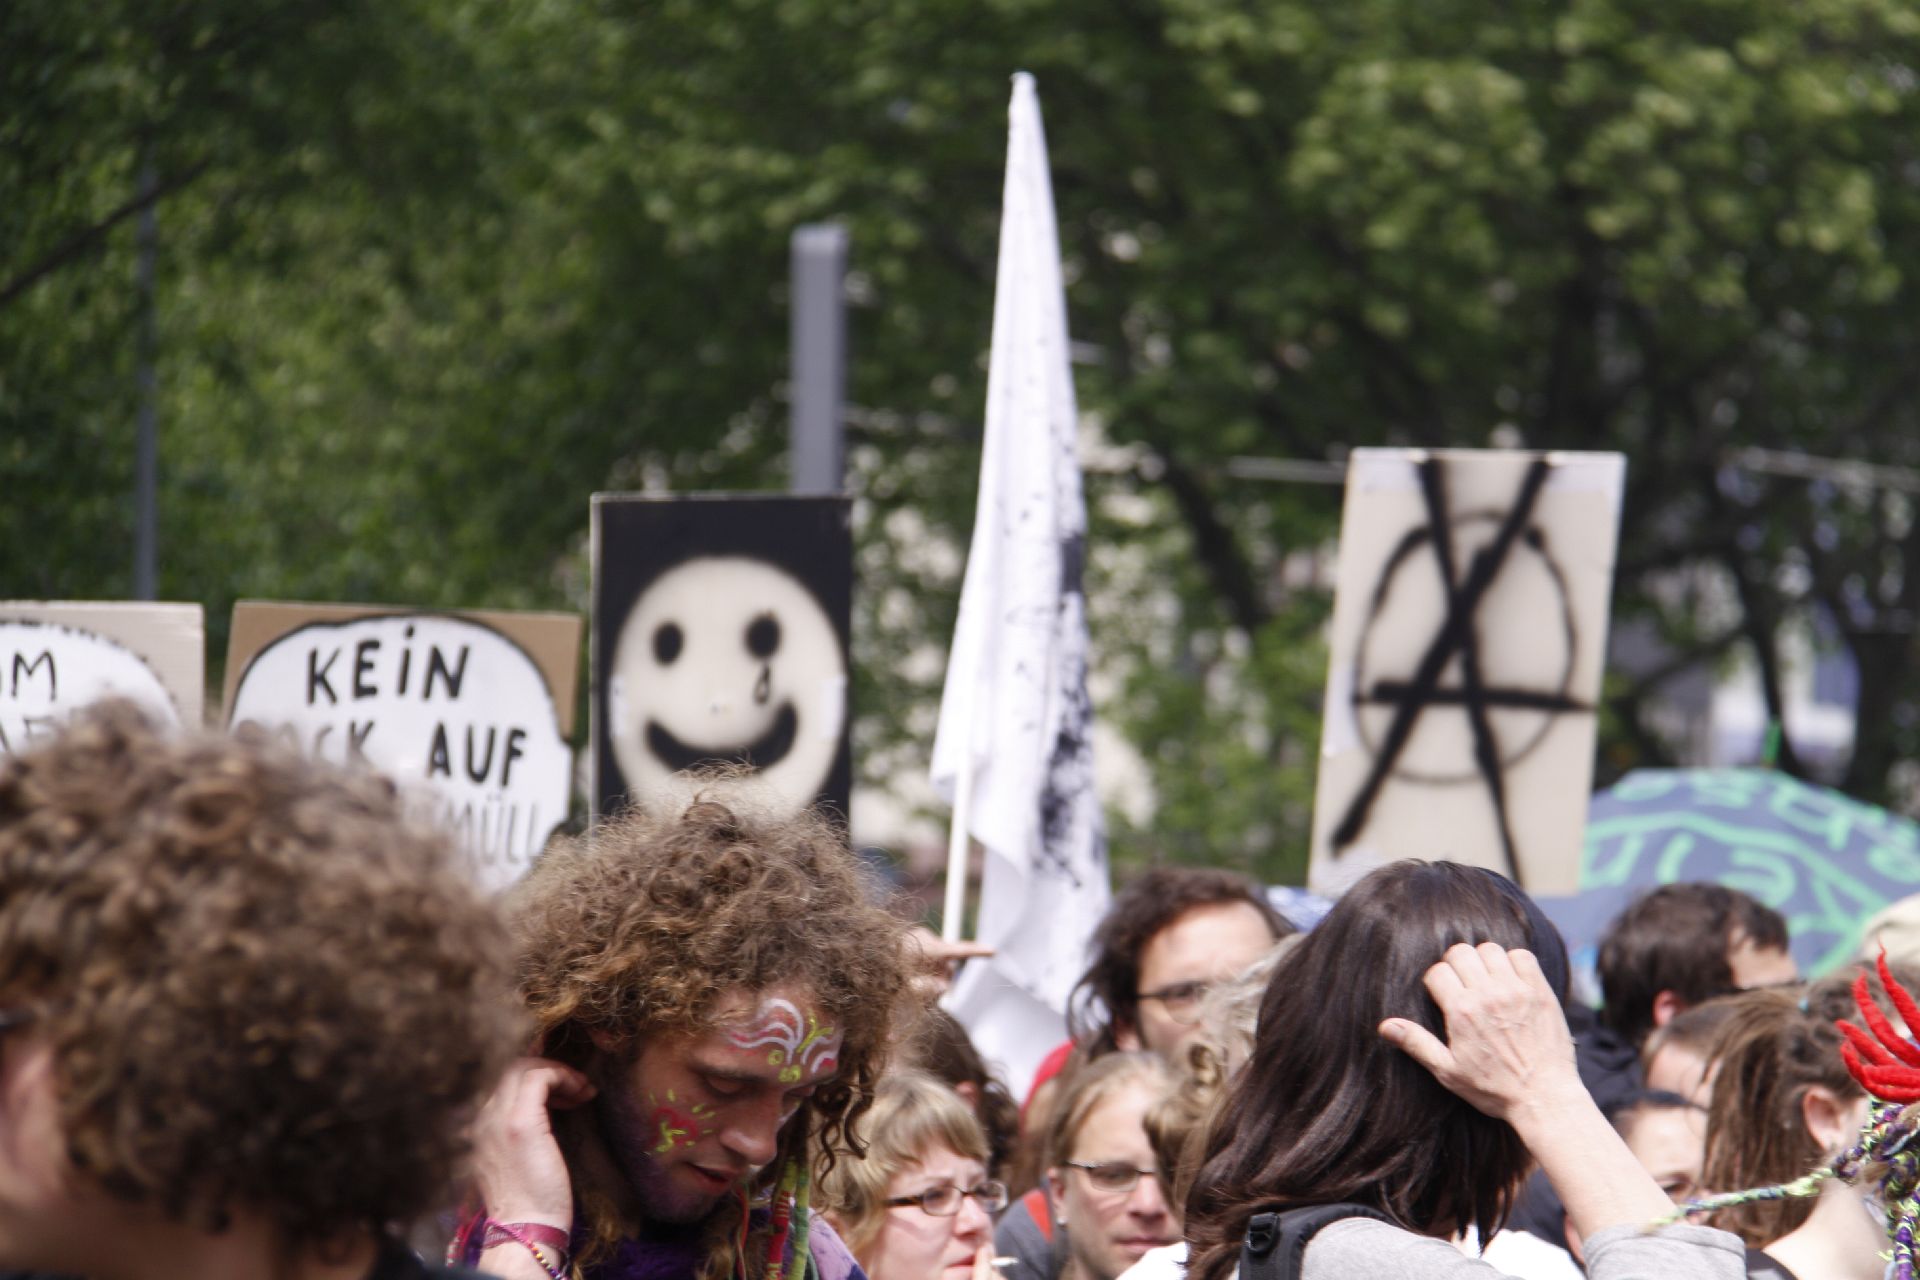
<point x="624" y="1131"/>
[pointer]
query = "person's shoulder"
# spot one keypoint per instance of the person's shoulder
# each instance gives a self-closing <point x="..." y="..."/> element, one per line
<point x="1024" y="1238"/>
<point x="1369" y="1247"/>
<point x="832" y="1260"/>
<point x="1018" y="1228"/>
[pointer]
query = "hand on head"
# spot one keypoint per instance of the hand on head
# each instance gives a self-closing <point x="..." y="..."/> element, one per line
<point x="1507" y="1042"/>
<point x="519" y="1171"/>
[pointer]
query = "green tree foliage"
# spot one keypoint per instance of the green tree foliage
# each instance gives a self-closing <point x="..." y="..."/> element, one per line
<point x="430" y="273"/>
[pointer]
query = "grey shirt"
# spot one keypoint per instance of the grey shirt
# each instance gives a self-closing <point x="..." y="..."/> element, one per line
<point x="1019" y="1236"/>
<point x="1362" y="1248"/>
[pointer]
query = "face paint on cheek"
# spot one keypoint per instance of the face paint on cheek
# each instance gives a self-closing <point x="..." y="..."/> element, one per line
<point x="799" y="1044"/>
<point x="675" y="1124"/>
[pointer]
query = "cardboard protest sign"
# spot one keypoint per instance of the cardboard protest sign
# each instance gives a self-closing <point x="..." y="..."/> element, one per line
<point x="468" y="712"/>
<point x="58" y="656"/>
<point x="1469" y="634"/>
<point x="720" y="637"/>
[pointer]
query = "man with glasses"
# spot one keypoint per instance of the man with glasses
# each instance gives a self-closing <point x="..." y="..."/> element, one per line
<point x="1170" y="935"/>
<point x="1109" y="1201"/>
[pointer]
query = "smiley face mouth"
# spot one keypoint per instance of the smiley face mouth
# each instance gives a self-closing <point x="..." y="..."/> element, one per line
<point x="769" y="749"/>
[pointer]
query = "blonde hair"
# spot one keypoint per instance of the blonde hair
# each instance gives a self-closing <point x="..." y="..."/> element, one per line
<point x="1095" y="1083"/>
<point x="913" y="1116"/>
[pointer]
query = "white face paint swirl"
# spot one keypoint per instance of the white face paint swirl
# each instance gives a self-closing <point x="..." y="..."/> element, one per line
<point x="728" y="660"/>
<point x="800" y="1045"/>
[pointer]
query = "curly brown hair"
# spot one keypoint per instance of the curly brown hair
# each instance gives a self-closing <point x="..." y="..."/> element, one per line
<point x="637" y="928"/>
<point x="264" y="992"/>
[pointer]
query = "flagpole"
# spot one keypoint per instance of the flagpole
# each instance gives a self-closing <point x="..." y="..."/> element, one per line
<point x="959" y="842"/>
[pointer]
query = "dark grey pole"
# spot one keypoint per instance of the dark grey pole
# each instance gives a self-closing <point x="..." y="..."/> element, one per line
<point x="819" y="358"/>
<point x="146" y="472"/>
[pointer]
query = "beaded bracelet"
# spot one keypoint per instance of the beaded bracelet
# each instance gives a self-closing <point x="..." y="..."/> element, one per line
<point x="536" y="1238"/>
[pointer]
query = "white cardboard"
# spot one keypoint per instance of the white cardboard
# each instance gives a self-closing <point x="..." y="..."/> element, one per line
<point x="1540" y="628"/>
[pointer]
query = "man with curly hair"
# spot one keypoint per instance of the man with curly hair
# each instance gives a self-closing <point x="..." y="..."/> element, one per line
<point x="714" y="996"/>
<point x="246" y="1011"/>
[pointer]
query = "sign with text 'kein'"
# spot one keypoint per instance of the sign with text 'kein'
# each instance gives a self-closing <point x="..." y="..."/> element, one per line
<point x="469" y="713"/>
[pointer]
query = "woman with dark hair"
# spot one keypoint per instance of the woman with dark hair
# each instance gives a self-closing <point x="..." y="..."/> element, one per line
<point x="1411" y="1064"/>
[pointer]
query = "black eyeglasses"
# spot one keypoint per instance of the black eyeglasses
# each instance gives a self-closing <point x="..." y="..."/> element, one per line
<point x="1114" y="1177"/>
<point x="944" y="1200"/>
<point x="1181" y="1000"/>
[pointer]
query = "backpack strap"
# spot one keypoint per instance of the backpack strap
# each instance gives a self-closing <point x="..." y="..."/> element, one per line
<point x="1276" y="1243"/>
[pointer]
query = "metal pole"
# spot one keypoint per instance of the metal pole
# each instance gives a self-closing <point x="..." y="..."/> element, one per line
<point x="819" y="358"/>
<point x="959" y="839"/>
<point x="147" y="385"/>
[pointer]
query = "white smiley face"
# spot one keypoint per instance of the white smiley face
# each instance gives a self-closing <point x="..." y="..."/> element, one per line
<point x="728" y="660"/>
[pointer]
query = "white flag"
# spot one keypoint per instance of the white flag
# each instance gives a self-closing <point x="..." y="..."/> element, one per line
<point x="1015" y="710"/>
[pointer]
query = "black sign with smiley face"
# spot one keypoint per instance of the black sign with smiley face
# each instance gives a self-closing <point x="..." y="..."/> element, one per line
<point x="720" y="637"/>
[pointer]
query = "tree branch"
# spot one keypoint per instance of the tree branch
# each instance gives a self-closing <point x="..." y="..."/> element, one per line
<point x="80" y="242"/>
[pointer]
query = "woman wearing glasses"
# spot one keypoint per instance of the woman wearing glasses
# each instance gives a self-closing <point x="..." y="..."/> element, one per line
<point x="920" y="1205"/>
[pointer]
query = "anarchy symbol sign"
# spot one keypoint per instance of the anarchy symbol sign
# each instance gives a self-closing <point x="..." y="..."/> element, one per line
<point x="1471" y="652"/>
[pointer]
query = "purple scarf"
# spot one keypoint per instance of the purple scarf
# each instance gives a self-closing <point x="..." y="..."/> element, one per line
<point x="678" y="1257"/>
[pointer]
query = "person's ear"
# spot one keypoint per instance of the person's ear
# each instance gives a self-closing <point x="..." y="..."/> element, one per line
<point x="969" y="1093"/>
<point x="1832" y="1122"/>
<point x="1126" y="1037"/>
<point x="1666" y="1006"/>
<point x="1057" y="1197"/>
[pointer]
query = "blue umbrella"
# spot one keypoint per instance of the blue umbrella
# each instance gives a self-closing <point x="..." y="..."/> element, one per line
<point x="1824" y="861"/>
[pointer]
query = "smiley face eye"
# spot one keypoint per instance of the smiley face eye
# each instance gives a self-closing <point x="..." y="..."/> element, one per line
<point x="763" y="635"/>
<point x="667" y="642"/>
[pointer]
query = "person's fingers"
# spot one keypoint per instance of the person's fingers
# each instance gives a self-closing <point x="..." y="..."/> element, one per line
<point x="1497" y="960"/>
<point x="1419" y="1044"/>
<point x="1527" y="965"/>
<point x="537" y="1083"/>
<point x="567" y="1088"/>
<point x="983" y="1262"/>
<point x="1443" y="982"/>
<point x="1467" y="962"/>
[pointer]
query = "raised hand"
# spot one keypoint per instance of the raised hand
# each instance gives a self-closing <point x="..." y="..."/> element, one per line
<point x="519" y="1171"/>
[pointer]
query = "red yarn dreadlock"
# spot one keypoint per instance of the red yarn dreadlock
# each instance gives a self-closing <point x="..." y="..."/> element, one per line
<point x="1886" y="1063"/>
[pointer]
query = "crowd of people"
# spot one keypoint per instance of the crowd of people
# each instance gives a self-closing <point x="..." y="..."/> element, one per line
<point x="256" y="1023"/>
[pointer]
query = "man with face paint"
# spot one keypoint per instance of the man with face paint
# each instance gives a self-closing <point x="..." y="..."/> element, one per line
<point x="714" y="997"/>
